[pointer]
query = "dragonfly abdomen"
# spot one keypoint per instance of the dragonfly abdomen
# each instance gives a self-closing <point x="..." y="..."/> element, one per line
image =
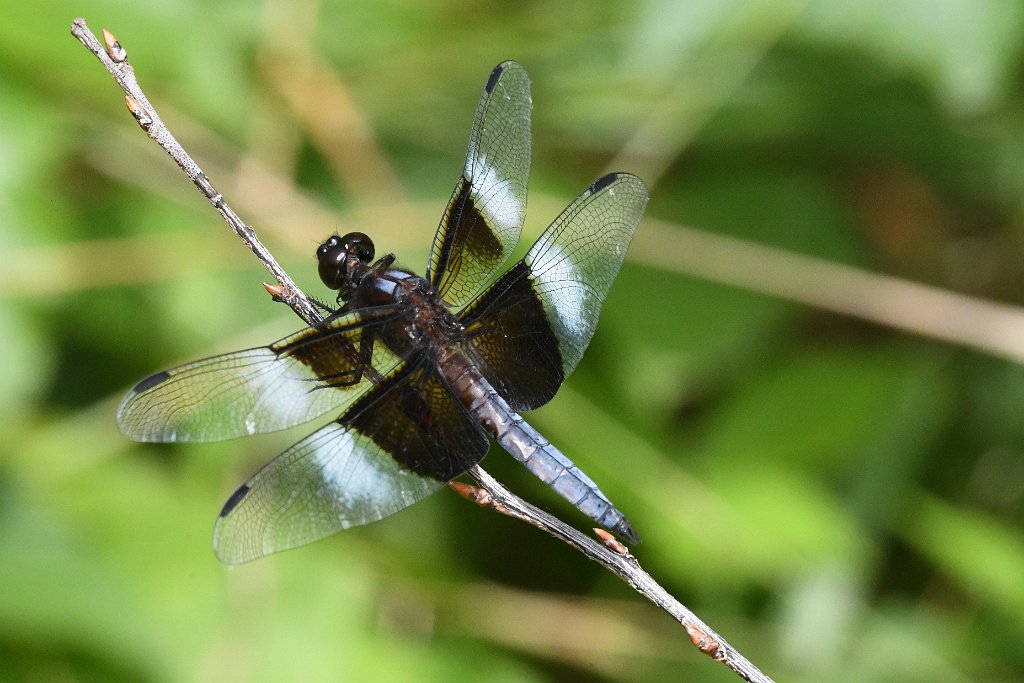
<point x="552" y="467"/>
<point x="525" y="444"/>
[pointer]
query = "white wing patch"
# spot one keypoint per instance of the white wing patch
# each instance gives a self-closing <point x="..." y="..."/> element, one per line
<point x="495" y="198"/>
<point x="567" y="293"/>
<point x="274" y="405"/>
<point x="365" y="483"/>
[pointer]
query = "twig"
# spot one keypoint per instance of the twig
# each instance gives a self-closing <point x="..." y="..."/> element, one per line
<point x="988" y="326"/>
<point x="612" y="554"/>
<point x="114" y="58"/>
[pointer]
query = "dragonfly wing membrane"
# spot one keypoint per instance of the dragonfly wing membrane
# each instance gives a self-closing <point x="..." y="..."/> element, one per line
<point x="307" y="374"/>
<point x="484" y="217"/>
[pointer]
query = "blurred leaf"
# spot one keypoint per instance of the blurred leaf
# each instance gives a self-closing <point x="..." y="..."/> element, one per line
<point x="987" y="556"/>
<point x="967" y="49"/>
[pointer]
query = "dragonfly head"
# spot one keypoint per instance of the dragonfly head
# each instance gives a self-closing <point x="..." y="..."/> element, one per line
<point x="338" y="255"/>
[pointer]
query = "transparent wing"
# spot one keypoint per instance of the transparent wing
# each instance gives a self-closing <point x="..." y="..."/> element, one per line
<point x="484" y="217"/>
<point x="529" y="330"/>
<point x="313" y="371"/>
<point x="396" y="446"/>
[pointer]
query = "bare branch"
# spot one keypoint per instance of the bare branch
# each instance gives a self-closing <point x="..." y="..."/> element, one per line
<point x="610" y="553"/>
<point x="623" y="565"/>
<point x="115" y="59"/>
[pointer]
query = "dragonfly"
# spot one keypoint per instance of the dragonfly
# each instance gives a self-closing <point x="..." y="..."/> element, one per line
<point x="421" y="372"/>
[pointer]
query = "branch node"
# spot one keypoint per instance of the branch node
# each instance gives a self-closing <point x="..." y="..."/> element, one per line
<point x="207" y="188"/>
<point x="474" y="494"/>
<point x="114" y="49"/>
<point x="277" y="291"/>
<point x="139" y="112"/>
<point x="705" y="643"/>
<point x="612" y="543"/>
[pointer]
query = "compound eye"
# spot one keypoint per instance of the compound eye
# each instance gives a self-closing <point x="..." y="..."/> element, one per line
<point x="332" y="267"/>
<point x="359" y="245"/>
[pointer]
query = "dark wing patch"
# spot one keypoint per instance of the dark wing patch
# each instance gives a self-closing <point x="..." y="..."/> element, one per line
<point x="513" y="342"/>
<point x="399" y="444"/>
<point x="530" y="328"/>
<point x="419" y="422"/>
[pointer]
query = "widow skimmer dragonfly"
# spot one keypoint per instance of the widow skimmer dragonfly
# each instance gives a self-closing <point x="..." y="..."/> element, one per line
<point x="419" y="370"/>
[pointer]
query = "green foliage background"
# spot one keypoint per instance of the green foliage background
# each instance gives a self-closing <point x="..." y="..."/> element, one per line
<point x="841" y="500"/>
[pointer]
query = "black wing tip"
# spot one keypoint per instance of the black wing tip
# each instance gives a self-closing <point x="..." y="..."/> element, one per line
<point x="604" y="181"/>
<point x="638" y="185"/>
<point x="495" y="76"/>
<point x="234" y="500"/>
<point x="150" y="382"/>
<point x="498" y="71"/>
